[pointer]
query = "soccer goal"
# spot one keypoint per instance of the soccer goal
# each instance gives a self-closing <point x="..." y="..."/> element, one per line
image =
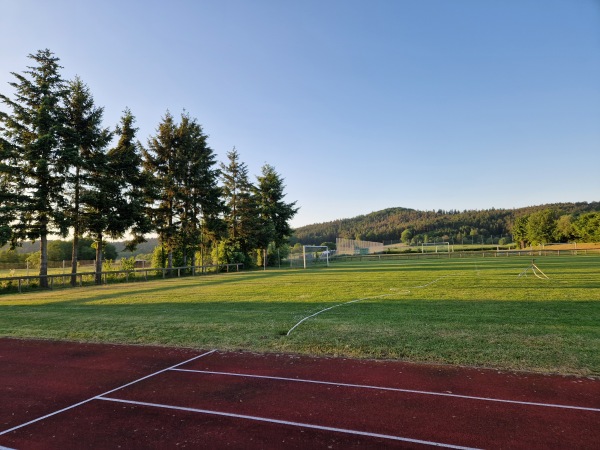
<point x="312" y="255"/>
<point x="437" y="247"/>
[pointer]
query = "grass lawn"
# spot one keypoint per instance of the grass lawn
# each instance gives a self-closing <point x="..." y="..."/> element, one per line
<point x="471" y="311"/>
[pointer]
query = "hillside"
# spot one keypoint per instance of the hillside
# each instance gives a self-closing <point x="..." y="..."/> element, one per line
<point x="388" y="224"/>
<point x="487" y="226"/>
<point x="145" y="247"/>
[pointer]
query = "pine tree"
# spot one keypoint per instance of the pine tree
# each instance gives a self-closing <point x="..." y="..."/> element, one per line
<point x="198" y="192"/>
<point x="84" y="137"/>
<point x="9" y="193"/>
<point x="32" y="139"/>
<point x="242" y="213"/>
<point x="126" y="165"/>
<point x="160" y="161"/>
<point x="184" y="187"/>
<point x="114" y="196"/>
<point x="275" y="213"/>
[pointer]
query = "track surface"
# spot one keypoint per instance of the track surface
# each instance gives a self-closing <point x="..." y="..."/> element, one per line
<point x="66" y="395"/>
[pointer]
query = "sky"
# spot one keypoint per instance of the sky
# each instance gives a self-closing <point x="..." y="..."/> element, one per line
<point x="360" y="105"/>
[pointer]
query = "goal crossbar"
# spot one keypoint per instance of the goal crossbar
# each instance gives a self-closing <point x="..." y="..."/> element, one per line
<point x="445" y="245"/>
<point x="316" y="247"/>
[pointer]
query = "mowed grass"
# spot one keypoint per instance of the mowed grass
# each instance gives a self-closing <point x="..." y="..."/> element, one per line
<point x="472" y="311"/>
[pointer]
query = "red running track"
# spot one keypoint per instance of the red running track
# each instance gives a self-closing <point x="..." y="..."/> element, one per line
<point x="68" y="395"/>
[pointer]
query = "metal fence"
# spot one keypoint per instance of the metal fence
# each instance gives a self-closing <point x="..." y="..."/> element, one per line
<point x="466" y="254"/>
<point x="357" y="247"/>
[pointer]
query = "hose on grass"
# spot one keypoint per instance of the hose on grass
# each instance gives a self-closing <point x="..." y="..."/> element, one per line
<point x="406" y="291"/>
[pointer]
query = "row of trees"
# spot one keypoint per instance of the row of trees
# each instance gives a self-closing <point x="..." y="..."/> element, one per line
<point x="59" y="174"/>
<point x="548" y="225"/>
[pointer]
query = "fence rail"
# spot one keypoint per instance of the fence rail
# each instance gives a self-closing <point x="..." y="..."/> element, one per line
<point x="466" y="254"/>
<point x="29" y="281"/>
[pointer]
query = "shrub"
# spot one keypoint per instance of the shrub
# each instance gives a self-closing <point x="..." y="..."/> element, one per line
<point x="127" y="263"/>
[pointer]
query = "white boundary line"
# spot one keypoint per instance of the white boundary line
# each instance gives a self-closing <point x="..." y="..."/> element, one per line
<point x="105" y="393"/>
<point x="431" y="282"/>
<point x="335" y="306"/>
<point x="410" y="391"/>
<point x="286" y="422"/>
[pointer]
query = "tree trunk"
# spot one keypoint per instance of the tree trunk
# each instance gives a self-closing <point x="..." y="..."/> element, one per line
<point x="171" y="239"/>
<point x="75" y="250"/>
<point x="43" y="258"/>
<point x="265" y="258"/>
<point x="99" y="259"/>
<point x="74" y="257"/>
<point x="193" y="262"/>
<point x="170" y="261"/>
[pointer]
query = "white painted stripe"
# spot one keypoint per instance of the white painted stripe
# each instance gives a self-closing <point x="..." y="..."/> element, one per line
<point x="335" y="306"/>
<point x="286" y="422"/>
<point x="105" y="393"/>
<point x="46" y="416"/>
<point x="410" y="391"/>
<point x="6" y="448"/>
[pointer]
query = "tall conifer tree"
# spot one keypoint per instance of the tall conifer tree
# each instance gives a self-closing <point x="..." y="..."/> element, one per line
<point x="160" y="161"/>
<point x="33" y="132"/>
<point x="242" y="213"/>
<point x="126" y="165"/>
<point x="9" y="192"/>
<point x="275" y="213"/>
<point x="114" y="196"/>
<point x="198" y="192"/>
<point x="85" y="136"/>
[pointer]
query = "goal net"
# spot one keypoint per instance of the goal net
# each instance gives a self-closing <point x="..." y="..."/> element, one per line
<point x="436" y="247"/>
<point x="311" y="256"/>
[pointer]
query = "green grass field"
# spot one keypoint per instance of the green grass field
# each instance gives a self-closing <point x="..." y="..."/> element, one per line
<point x="472" y="311"/>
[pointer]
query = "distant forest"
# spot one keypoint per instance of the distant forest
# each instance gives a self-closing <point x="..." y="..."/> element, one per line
<point x="485" y="226"/>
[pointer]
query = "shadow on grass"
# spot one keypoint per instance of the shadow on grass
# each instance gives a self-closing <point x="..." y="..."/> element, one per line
<point x="121" y="289"/>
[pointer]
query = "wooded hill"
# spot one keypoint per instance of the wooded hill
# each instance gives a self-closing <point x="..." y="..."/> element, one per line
<point x="490" y="225"/>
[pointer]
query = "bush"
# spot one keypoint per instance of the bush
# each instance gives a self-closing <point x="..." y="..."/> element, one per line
<point x="226" y="253"/>
<point x="11" y="256"/>
<point x="127" y="263"/>
<point x="34" y="260"/>
<point x="330" y="245"/>
<point x="160" y="257"/>
<point x="6" y="285"/>
<point x="108" y="265"/>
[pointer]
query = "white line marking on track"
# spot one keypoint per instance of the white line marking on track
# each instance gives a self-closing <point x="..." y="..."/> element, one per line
<point x="105" y="393"/>
<point x="286" y="422"/>
<point x="410" y="391"/>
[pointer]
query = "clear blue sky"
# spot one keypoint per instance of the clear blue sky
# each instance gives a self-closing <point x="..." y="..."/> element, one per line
<point x="360" y="105"/>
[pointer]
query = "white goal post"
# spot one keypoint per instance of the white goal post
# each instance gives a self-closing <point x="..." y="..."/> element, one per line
<point x="445" y="246"/>
<point x="314" y="252"/>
